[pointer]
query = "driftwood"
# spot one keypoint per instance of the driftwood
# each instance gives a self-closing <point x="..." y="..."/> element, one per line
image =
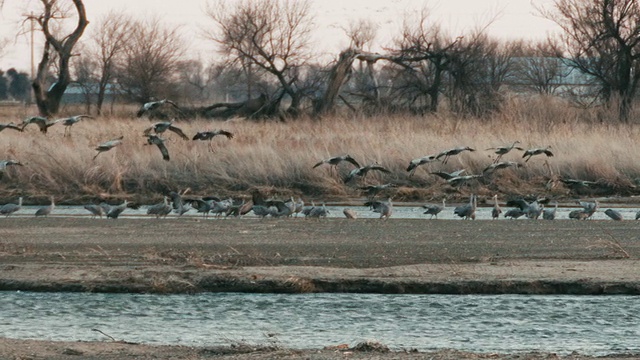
<point x="252" y="108"/>
<point x="249" y="109"/>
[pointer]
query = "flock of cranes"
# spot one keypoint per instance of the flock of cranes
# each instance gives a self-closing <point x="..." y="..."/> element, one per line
<point x="152" y="133"/>
<point x="262" y="208"/>
<point x="521" y="207"/>
<point x="277" y="208"/>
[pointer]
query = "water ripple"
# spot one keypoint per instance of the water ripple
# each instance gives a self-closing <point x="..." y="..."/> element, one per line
<point x="479" y="323"/>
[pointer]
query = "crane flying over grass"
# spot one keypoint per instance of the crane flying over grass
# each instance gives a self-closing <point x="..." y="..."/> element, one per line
<point x="500" y="165"/>
<point x="43" y="123"/>
<point x="413" y="164"/>
<point x="446" y="175"/>
<point x="373" y="190"/>
<point x="537" y="151"/>
<point x="152" y="105"/>
<point x="160" y="127"/>
<point x="452" y="152"/>
<point x="503" y="150"/>
<point x="210" y="134"/>
<point x="459" y="180"/>
<point x="11" y="125"/>
<point x="108" y="145"/>
<point x="159" y="142"/>
<point x="69" y="121"/>
<point x="364" y="170"/>
<point x="335" y="160"/>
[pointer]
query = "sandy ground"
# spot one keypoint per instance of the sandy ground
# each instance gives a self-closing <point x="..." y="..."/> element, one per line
<point x="297" y="255"/>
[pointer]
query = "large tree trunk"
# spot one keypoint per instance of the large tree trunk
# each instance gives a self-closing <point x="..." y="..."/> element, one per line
<point x="337" y="78"/>
<point x="48" y="100"/>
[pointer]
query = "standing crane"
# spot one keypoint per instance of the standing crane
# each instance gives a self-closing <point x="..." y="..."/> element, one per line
<point x="95" y="210"/>
<point x="467" y="211"/>
<point x="434" y="210"/>
<point x="117" y="210"/>
<point x="550" y="214"/>
<point x="160" y="210"/>
<point x="496" y="211"/>
<point x="10" y="208"/>
<point x="45" y="211"/>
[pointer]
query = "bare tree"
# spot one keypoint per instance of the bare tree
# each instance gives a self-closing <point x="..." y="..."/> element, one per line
<point x="196" y="80"/>
<point x="423" y="51"/>
<point x="48" y="98"/>
<point x="361" y="34"/>
<point x="4" y="41"/>
<point x="537" y="68"/>
<point x="108" y="40"/>
<point x="479" y="67"/>
<point x="84" y="69"/>
<point x="272" y="35"/>
<point x="152" y="54"/>
<point x="601" y="38"/>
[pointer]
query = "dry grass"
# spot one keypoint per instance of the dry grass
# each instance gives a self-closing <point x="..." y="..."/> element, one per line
<point x="280" y="156"/>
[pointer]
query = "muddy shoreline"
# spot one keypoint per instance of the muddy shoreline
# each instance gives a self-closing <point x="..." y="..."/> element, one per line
<point x="298" y="256"/>
<point x="333" y="255"/>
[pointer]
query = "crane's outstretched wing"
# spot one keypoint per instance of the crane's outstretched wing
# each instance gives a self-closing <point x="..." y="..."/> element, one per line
<point x="178" y="131"/>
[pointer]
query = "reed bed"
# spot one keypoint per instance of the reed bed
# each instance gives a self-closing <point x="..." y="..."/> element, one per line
<point x="279" y="156"/>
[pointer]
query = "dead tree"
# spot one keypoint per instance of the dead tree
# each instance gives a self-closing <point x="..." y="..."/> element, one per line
<point x="337" y="77"/>
<point x="48" y="98"/>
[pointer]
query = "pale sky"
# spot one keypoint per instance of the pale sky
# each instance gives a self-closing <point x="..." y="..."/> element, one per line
<point x="516" y="20"/>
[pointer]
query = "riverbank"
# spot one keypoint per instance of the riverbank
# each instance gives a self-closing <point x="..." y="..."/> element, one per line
<point x="180" y="255"/>
<point x="34" y="349"/>
<point x="332" y="255"/>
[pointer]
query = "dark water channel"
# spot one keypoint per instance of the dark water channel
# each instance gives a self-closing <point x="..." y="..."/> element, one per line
<point x="593" y="325"/>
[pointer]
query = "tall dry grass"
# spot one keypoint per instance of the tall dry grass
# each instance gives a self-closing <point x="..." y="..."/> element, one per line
<point x="280" y="156"/>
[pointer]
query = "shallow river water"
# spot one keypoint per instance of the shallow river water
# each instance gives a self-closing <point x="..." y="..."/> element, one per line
<point x="593" y="325"/>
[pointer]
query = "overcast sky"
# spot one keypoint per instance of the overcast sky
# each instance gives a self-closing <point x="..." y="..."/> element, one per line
<point x="516" y="19"/>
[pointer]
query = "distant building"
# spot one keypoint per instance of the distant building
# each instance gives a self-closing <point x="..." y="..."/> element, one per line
<point x="81" y="94"/>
